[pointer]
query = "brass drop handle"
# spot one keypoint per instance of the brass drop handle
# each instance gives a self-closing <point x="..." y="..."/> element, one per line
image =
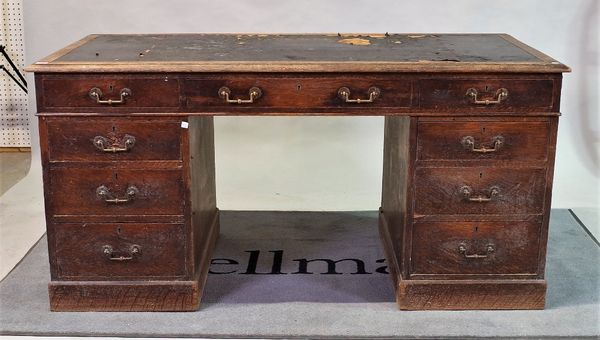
<point x="372" y="92"/>
<point x="254" y="93"/>
<point x="104" y="144"/>
<point x="501" y="94"/>
<point x="104" y="193"/>
<point x="466" y="192"/>
<point x="134" y="250"/>
<point x="96" y="94"/>
<point x="468" y="142"/>
<point x="462" y="248"/>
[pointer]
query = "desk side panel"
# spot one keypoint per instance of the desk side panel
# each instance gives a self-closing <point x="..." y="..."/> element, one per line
<point x="201" y="147"/>
<point x="396" y="196"/>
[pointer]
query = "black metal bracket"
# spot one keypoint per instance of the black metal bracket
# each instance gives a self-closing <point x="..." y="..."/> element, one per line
<point x="22" y="85"/>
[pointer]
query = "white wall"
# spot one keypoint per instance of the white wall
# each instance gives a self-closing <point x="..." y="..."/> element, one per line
<point x="324" y="163"/>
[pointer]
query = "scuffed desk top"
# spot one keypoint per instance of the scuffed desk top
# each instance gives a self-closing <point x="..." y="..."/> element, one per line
<point x="298" y="53"/>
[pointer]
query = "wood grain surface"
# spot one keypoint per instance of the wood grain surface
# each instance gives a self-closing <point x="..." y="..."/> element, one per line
<point x="79" y="250"/>
<point x="155" y="139"/>
<point x="129" y="296"/>
<point x="73" y="191"/>
<point x="439" y="191"/>
<point x="424" y="94"/>
<point x="522" y="141"/>
<point x="467" y="294"/>
<point x="436" y="248"/>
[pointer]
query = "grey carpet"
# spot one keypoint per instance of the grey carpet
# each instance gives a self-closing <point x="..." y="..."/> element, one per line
<point x="316" y="304"/>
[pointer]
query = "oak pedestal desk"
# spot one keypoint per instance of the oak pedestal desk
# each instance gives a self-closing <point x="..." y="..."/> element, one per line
<point x="126" y="133"/>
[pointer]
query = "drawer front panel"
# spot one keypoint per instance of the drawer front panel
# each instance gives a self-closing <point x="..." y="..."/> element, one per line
<point x="475" y="248"/>
<point x="119" y="251"/>
<point x="477" y="140"/>
<point x="88" y="191"/>
<point x="111" y="139"/>
<point x="471" y="94"/>
<point x="296" y="92"/>
<point x="144" y="92"/>
<point x="479" y="190"/>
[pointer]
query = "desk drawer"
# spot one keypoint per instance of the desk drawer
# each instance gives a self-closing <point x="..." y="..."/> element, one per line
<point x="479" y="190"/>
<point x="524" y="141"/>
<point x="74" y="92"/>
<point x="108" y="192"/>
<point x="112" y="139"/>
<point x="487" y="94"/>
<point x="475" y="247"/>
<point x="295" y="92"/>
<point x="116" y="251"/>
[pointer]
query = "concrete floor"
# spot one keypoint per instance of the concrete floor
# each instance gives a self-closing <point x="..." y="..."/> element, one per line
<point x="590" y="217"/>
<point x="22" y="220"/>
<point x="13" y="167"/>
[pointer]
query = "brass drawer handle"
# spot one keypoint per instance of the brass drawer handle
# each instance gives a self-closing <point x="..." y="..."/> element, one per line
<point x="468" y="142"/>
<point x="96" y="94"/>
<point x="134" y="251"/>
<point x="372" y="92"/>
<point x="254" y="93"/>
<point x="501" y="94"/>
<point x="466" y="192"/>
<point x="104" y="193"/>
<point x="462" y="248"/>
<point x="104" y="144"/>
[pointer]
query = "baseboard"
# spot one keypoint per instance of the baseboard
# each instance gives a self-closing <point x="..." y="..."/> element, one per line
<point x="129" y="296"/>
<point x="470" y="294"/>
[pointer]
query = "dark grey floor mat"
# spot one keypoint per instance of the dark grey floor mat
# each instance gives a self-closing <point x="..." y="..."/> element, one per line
<point x="250" y="295"/>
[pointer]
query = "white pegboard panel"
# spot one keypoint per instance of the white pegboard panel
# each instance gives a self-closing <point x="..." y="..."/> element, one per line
<point x="14" y="117"/>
